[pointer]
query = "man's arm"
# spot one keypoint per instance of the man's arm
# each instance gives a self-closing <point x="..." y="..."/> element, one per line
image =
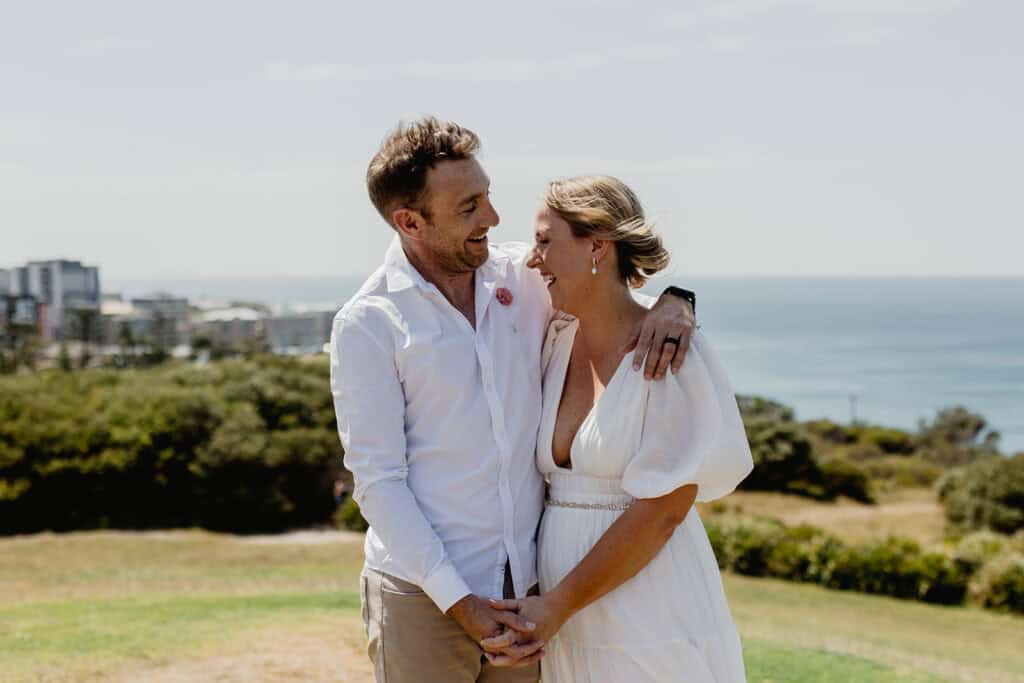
<point x="370" y="407"/>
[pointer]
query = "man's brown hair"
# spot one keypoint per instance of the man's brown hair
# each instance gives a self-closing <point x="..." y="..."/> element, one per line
<point x="397" y="175"/>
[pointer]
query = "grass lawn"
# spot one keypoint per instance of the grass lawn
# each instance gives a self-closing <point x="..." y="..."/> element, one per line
<point x="195" y="606"/>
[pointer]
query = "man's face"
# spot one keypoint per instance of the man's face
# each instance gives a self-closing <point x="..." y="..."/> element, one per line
<point x="458" y="201"/>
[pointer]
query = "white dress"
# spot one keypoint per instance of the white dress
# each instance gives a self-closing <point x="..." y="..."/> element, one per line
<point x="642" y="439"/>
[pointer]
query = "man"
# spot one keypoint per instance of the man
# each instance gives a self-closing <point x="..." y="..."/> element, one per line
<point x="435" y="370"/>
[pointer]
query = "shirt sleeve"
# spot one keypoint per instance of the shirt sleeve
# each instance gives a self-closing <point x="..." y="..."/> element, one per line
<point x="370" y="406"/>
<point x="692" y="432"/>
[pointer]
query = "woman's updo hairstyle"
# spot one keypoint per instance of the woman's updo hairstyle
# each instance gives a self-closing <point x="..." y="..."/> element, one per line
<point x="604" y="208"/>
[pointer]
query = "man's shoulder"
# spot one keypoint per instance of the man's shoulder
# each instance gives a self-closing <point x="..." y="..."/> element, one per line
<point x="515" y="252"/>
<point x="370" y="304"/>
<point x="512" y="259"/>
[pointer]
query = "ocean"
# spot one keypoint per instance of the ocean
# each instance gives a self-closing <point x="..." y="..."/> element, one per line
<point x="890" y="351"/>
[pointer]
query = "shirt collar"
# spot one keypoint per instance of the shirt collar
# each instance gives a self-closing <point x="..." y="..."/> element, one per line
<point x="399" y="272"/>
<point x="402" y="275"/>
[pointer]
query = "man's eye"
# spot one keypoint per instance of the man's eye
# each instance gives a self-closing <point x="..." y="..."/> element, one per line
<point x="469" y="211"/>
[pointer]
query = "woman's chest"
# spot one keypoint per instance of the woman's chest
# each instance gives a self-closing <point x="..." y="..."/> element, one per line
<point x="579" y="392"/>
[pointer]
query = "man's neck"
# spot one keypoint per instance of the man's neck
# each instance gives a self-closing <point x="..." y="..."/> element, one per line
<point x="458" y="288"/>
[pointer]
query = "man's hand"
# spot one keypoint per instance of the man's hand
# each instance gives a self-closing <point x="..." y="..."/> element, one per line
<point x="672" y="318"/>
<point x="503" y="630"/>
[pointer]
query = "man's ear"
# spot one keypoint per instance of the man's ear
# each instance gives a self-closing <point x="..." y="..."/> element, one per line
<point x="408" y="222"/>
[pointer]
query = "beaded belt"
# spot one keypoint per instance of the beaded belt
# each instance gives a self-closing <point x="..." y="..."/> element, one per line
<point x="588" y="506"/>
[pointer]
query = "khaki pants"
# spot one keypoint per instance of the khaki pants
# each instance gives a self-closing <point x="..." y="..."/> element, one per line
<point x="412" y="641"/>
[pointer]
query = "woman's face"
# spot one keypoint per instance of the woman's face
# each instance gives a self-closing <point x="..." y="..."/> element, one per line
<point x="563" y="260"/>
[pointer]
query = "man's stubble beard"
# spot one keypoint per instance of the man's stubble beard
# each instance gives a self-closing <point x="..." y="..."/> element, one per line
<point x="458" y="261"/>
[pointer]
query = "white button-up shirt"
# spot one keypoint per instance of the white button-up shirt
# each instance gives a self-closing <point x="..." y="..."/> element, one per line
<point x="439" y="423"/>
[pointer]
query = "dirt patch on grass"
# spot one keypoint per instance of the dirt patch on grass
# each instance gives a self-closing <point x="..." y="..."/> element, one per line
<point x="914" y="514"/>
<point x="311" y="537"/>
<point x="324" y="653"/>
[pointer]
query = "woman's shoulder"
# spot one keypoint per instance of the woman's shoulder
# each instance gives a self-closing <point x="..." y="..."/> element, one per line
<point x="701" y="375"/>
<point x="560" y="325"/>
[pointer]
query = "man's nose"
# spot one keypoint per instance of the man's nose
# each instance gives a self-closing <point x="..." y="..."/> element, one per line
<point x="492" y="215"/>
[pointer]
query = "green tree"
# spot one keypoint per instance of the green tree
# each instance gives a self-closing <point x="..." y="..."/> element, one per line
<point x="783" y="456"/>
<point x="956" y="437"/>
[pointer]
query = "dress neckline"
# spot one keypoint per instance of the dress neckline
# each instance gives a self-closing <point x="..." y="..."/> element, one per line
<point x="571" y="341"/>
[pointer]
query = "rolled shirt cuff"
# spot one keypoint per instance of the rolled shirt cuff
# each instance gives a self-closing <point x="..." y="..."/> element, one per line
<point x="445" y="587"/>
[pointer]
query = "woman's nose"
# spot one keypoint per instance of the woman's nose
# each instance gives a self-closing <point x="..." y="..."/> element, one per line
<point x="534" y="260"/>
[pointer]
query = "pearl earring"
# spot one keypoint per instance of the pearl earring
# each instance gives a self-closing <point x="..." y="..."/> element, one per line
<point x="593" y="268"/>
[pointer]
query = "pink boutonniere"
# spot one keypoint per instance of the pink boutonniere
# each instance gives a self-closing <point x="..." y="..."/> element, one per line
<point x="504" y="296"/>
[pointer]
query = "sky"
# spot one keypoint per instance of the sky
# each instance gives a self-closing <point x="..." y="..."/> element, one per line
<point x="770" y="137"/>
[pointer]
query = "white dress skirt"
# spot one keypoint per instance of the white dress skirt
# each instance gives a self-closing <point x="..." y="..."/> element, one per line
<point x="671" y="621"/>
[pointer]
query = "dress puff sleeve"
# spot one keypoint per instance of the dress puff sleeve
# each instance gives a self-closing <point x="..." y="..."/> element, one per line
<point x="692" y="432"/>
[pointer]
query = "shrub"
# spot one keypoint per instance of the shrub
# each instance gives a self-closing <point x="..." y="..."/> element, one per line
<point x="348" y="516"/>
<point x="1000" y="583"/>
<point x="956" y="437"/>
<point x="947" y="456"/>
<point x="236" y="446"/>
<point x="881" y="567"/>
<point x="804" y="553"/>
<point x="895" y="567"/>
<point x="903" y="471"/>
<point x="846" y="479"/>
<point x="783" y="456"/>
<point x="988" y="494"/>
<point x="978" y="548"/>
<point x="830" y="432"/>
<point x="745" y="543"/>
<point x="888" y="440"/>
<point x="940" y="579"/>
<point x="1016" y="542"/>
<point x="957" y="426"/>
<point x="860" y="452"/>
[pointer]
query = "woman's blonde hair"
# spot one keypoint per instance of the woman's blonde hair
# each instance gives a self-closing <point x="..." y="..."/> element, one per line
<point x="604" y="208"/>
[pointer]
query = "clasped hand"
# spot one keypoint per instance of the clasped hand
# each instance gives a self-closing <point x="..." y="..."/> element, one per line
<point x="545" y="617"/>
<point x="506" y="637"/>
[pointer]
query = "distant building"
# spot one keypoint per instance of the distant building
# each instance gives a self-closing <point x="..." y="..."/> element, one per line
<point x="160" y="320"/>
<point x="5" y="282"/>
<point x="20" y="314"/>
<point x="231" y="327"/>
<point x="70" y="293"/>
<point x="170" y="316"/>
<point x="299" y="332"/>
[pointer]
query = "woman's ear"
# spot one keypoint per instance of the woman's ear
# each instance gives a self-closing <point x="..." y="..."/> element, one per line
<point x="599" y="249"/>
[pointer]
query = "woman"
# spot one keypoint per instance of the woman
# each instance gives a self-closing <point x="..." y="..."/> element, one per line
<point x="628" y="580"/>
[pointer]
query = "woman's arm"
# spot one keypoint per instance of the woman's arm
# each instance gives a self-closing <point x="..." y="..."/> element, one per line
<point x="630" y="543"/>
